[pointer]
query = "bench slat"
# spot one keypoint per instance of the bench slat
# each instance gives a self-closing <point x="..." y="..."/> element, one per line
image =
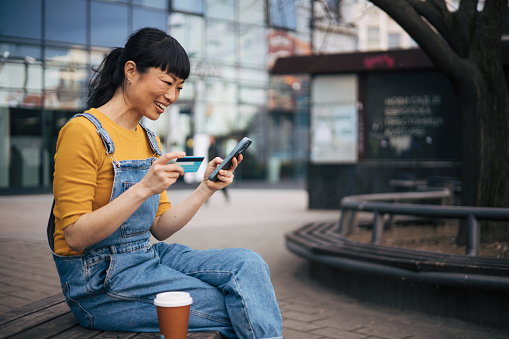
<point x="31" y="308"/>
<point x="319" y="239"/>
<point x="33" y="319"/>
<point x="51" y="318"/>
<point x="49" y="329"/>
<point x="77" y="332"/>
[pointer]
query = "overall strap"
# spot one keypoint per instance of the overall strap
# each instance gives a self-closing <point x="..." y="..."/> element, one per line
<point x="110" y="149"/>
<point x="105" y="137"/>
<point x="152" y="140"/>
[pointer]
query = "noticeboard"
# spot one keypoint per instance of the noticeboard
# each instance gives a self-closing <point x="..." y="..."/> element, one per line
<point x="411" y="115"/>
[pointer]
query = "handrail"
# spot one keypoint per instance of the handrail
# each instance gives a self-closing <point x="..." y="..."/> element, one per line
<point x="379" y="205"/>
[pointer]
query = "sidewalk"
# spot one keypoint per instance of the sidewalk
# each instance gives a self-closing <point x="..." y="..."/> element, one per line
<point x="256" y="219"/>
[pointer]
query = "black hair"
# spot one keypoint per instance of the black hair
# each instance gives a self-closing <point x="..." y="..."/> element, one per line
<point x="147" y="47"/>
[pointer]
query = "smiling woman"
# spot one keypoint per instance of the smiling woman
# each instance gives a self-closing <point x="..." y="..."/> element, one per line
<point x="110" y="197"/>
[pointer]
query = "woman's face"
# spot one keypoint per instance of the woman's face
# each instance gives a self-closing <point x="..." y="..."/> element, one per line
<point x="150" y="93"/>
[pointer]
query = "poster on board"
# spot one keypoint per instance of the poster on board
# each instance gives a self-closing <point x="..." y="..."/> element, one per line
<point x="334" y="119"/>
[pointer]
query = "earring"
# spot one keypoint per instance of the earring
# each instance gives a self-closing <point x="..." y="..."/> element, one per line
<point x="128" y="81"/>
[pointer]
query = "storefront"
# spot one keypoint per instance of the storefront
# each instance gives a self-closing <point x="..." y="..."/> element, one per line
<point x="376" y="118"/>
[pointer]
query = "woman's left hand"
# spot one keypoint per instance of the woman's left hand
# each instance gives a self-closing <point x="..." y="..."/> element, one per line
<point x="225" y="177"/>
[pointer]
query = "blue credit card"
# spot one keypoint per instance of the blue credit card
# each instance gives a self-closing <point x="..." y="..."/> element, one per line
<point x="190" y="164"/>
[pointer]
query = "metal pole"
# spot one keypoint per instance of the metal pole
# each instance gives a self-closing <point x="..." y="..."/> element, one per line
<point x="473" y="236"/>
<point x="378" y="228"/>
<point x="341" y="226"/>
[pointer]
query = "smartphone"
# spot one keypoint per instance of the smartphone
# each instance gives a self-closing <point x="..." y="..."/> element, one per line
<point x="241" y="147"/>
<point x="190" y="164"/>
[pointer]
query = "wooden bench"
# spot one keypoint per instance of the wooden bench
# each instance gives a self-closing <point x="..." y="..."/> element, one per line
<point x="51" y="318"/>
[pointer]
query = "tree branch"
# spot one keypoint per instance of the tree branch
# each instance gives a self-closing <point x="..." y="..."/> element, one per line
<point x="436" y="13"/>
<point x="492" y="17"/>
<point x="426" y="35"/>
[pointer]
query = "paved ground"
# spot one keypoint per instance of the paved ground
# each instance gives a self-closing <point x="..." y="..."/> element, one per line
<point x="255" y="218"/>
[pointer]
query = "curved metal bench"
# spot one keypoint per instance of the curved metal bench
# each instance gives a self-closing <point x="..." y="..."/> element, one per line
<point x="467" y="287"/>
<point x="386" y="203"/>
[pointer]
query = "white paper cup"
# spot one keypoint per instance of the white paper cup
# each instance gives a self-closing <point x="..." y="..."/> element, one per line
<point x="173" y="314"/>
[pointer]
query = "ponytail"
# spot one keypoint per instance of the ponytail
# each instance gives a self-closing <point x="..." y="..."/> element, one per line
<point x="106" y="79"/>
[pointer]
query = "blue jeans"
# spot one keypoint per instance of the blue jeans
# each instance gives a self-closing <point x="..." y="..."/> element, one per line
<point x="113" y="288"/>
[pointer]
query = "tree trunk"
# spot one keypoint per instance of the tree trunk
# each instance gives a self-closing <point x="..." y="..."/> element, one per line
<point x="466" y="46"/>
<point x="484" y="102"/>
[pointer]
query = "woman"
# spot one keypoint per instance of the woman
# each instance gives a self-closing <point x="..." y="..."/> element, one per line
<point x="110" y="195"/>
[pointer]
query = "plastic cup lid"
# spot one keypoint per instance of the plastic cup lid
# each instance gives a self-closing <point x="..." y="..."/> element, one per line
<point x="173" y="299"/>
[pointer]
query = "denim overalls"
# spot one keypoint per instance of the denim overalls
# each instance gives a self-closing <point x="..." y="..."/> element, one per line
<point x="112" y="285"/>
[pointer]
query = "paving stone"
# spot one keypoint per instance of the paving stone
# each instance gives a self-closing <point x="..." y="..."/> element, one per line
<point x="334" y="332"/>
<point x="294" y="334"/>
<point x="305" y="308"/>
<point x="300" y="325"/>
<point x="300" y="316"/>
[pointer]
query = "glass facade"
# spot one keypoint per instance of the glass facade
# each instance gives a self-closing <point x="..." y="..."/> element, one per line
<point x="45" y="68"/>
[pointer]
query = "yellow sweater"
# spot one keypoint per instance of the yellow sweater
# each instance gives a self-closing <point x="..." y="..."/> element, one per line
<point x="83" y="177"/>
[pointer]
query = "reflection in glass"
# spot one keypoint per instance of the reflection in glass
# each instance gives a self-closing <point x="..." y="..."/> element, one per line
<point x="25" y="147"/>
<point x="219" y="91"/>
<point x="189" y="6"/>
<point x="251" y="11"/>
<point x="19" y="51"/>
<point x="221" y="118"/>
<point x="221" y="9"/>
<point x="26" y="76"/>
<point x="21" y="18"/>
<point x="221" y="41"/>
<point x="282" y="14"/>
<point x="108" y="24"/>
<point x="253" y="45"/>
<point x="65" y="86"/>
<point x="144" y="17"/>
<point x="303" y="14"/>
<point x="97" y="56"/>
<point x="252" y="75"/>
<point x="66" y="20"/>
<point x="65" y="55"/>
<point x="162" y="4"/>
<point x="256" y="96"/>
<point x="188" y="92"/>
<point x="188" y="30"/>
<point x="247" y="113"/>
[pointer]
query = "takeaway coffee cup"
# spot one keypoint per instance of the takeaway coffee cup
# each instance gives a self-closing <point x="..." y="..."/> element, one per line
<point x="173" y="314"/>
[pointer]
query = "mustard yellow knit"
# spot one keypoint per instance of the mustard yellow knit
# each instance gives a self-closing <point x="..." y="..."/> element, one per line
<point x="83" y="177"/>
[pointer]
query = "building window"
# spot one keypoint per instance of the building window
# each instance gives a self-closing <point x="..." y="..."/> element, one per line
<point x="333" y="10"/>
<point x="393" y="40"/>
<point x="220" y="9"/>
<point x="189" y="31"/>
<point x="162" y="4"/>
<point x="108" y="24"/>
<point x="145" y="17"/>
<point x="70" y="14"/>
<point x="221" y="38"/>
<point x="21" y="18"/>
<point x="373" y="40"/>
<point x="188" y="6"/>
<point x="282" y="14"/>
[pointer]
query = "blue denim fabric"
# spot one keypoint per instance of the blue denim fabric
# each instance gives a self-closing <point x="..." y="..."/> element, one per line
<point x="112" y="285"/>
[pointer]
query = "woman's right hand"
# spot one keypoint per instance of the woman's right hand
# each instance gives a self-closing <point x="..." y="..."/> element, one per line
<point x="162" y="175"/>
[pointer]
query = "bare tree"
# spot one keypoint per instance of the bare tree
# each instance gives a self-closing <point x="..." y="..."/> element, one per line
<point x="465" y="45"/>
